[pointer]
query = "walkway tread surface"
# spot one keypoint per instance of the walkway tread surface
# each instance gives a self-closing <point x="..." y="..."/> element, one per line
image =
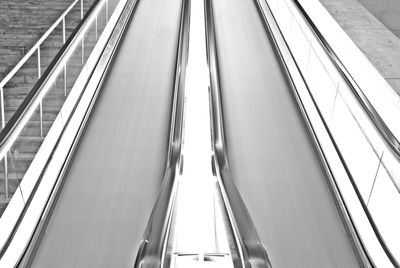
<point x="271" y="156"/>
<point x="114" y="179"/>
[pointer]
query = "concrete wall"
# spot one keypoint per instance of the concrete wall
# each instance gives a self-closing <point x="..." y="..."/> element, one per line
<point x="22" y="23"/>
<point x="379" y="44"/>
<point x="387" y="11"/>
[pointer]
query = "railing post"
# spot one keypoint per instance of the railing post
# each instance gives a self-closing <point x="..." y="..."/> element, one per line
<point x="65" y="80"/>
<point x="95" y="25"/>
<point x="38" y="52"/>
<point x="6" y="176"/>
<point x="106" y="10"/>
<point x="41" y="118"/>
<point x="65" y="66"/>
<point x="81" y="9"/>
<point x="83" y="48"/>
<point x="3" y="121"/>
<point x="63" y="25"/>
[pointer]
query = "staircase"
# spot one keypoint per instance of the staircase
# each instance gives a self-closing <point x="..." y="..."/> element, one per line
<point x="22" y="23"/>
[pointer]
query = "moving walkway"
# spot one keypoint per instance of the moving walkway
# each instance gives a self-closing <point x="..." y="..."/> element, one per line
<point x="123" y="157"/>
<point x="113" y="178"/>
<point x="126" y="145"/>
<point x="271" y="155"/>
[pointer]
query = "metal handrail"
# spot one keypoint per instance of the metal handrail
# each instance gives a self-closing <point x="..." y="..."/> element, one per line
<point x="14" y="127"/>
<point x="385" y="132"/>
<point x="103" y="57"/>
<point x="11" y="130"/>
<point x="8" y="135"/>
<point x="13" y="123"/>
<point x="36" y="47"/>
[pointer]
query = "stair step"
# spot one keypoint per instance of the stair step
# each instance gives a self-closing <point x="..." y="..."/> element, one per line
<point x="13" y="183"/>
<point x="13" y="178"/>
<point x="25" y="146"/>
<point x="56" y="99"/>
<point x="33" y="129"/>
<point x="24" y="89"/>
<point x="19" y="166"/>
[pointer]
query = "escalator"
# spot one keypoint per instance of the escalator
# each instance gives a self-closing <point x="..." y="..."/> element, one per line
<point x="112" y="182"/>
<point x="271" y="154"/>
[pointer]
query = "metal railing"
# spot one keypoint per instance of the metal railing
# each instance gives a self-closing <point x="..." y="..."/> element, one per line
<point x="36" y="48"/>
<point x="13" y="127"/>
<point x="367" y="148"/>
<point x="88" y="85"/>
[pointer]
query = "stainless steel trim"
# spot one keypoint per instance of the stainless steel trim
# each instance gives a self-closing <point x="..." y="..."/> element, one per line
<point x="251" y="248"/>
